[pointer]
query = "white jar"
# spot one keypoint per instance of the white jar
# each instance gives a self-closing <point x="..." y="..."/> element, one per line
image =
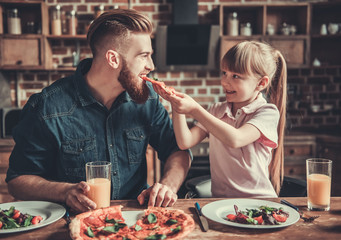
<point x="270" y="29"/>
<point x="13" y="21"/>
<point x="245" y="29"/>
<point x="323" y="30"/>
<point x="232" y="24"/>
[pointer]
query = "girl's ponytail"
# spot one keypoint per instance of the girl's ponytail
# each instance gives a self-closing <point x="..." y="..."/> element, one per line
<point x="278" y="96"/>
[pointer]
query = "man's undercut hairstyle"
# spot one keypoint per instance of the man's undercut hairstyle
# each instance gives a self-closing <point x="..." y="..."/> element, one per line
<point x="111" y="29"/>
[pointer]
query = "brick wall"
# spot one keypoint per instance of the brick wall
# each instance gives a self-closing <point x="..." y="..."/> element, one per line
<point x="307" y="86"/>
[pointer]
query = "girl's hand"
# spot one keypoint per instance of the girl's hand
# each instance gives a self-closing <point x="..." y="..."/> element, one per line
<point x="184" y="104"/>
<point x="181" y="103"/>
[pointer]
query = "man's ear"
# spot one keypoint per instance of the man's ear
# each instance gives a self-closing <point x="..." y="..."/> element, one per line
<point x="263" y="83"/>
<point x="113" y="58"/>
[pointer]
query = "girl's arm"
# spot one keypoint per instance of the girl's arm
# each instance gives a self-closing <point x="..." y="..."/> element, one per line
<point x="229" y="135"/>
<point x="185" y="137"/>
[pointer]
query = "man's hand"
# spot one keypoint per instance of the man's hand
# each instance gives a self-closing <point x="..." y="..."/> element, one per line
<point x="76" y="197"/>
<point x="158" y="195"/>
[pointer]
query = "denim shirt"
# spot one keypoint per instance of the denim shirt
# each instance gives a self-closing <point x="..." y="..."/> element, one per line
<point x="63" y="127"/>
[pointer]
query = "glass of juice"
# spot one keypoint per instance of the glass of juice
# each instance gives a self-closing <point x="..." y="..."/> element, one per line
<point x="319" y="174"/>
<point x="98" y="177"/>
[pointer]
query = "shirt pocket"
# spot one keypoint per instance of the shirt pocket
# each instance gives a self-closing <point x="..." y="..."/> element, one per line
<point x="136" y="144"/>
<point x="75" y="153"/>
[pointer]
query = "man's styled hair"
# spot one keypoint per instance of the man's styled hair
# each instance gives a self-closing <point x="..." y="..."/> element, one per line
<point x="111" y="29"/>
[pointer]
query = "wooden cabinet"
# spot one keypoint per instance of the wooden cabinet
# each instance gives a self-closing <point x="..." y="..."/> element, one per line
<point x="329" y="147"/>
<point x="19" y="52"/>
<point x="296" y="29"/>
<point x="298" y="148"/>
<point x="26" y="50"/>
<point x="6" y="146"/>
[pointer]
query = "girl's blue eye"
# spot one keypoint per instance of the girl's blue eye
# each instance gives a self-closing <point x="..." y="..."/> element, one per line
<point x="223" y="72"/>
<point x="235" y="76"/>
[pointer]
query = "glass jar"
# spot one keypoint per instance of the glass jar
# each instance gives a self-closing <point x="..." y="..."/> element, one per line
<point x="270" y="29"/>
<point x="232" y="24"/>
<point x="30" y="27"/>
<point x="72" y="22"/>
<point x="285" y="29"/>
<point x="56" y="21"/>
<point x="245" y="29"/>
<point x="13" y="21"/>
<point x="99" y="10"/>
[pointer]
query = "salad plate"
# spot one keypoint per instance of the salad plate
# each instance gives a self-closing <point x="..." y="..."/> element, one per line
<point x="218" y="210"/>
<point x="50" y="212"/>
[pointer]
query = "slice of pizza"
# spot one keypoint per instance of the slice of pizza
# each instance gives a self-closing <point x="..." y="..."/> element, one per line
<point x="164" y="223"/>
<point x="103" y="223"/>
<point x="169" y="90"/>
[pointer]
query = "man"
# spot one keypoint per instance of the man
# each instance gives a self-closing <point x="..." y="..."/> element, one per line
<point x="105" y="111"/>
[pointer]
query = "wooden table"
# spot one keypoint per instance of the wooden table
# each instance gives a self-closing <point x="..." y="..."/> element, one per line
<point x="328" y="226"/>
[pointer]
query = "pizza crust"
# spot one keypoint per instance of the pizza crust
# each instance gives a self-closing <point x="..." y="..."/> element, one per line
<point x="75" y="225"/>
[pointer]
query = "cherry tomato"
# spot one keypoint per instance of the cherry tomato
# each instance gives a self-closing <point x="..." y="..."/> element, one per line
<point x="279" y="218"/>
<point x="16" y="214"/>
<point x="231" y="217"/>
<point x="36" y="219"/>
<point x="0" y="224"/>
<point x="259" y="219"/>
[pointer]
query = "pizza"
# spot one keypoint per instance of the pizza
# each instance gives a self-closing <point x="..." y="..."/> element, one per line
<point x="169" y="90"/>
<point x="108" y="223"/>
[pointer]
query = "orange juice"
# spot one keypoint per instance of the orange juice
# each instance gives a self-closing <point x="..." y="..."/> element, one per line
<point x="319" y="186"/>
<point x="100" y="191"/>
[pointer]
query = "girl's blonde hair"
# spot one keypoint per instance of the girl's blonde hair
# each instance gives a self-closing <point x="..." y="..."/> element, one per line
<point x="251" y="57"/>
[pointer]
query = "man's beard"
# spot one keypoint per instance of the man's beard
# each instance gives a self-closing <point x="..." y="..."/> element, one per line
<point x="137" y="90"/>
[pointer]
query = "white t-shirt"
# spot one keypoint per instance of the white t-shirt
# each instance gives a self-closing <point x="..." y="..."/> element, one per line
<point x="243" y="172"/>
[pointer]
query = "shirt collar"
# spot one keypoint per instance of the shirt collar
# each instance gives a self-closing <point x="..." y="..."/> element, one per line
<point x="250" y="108"/>
<point x="82" y="90"/>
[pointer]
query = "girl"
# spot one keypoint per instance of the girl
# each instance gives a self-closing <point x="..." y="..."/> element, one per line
<point x="245" y="132"/>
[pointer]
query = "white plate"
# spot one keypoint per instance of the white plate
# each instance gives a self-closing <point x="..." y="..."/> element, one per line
<point x="50" y="212"/>
<point x="218" y="210"/>
<point x="131" y="217"/>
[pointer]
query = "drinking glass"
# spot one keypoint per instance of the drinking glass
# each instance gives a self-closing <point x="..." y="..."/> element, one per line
<point x="319" y="174"/>
<point x="98" y="177"/>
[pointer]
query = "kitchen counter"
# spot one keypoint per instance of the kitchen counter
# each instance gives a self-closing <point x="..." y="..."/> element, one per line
<point x="327" y="226"/>
<point x="6" y="142"/>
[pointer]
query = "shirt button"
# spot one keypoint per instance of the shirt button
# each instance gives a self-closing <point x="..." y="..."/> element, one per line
<point x="110" y="145"/>
<point x="114" y="173"/>
<point x="81" y="149"/>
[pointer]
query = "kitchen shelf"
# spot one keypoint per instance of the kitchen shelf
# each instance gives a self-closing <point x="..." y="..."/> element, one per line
<point x="66" y="69"/>
<point x="299" y="49"/>
<point x="294" y="47"/>
<point x="73" y="37"/>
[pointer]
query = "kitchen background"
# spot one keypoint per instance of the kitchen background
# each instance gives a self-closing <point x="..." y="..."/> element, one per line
<point x="37" y="58"/>
<point x="314" y="92"/>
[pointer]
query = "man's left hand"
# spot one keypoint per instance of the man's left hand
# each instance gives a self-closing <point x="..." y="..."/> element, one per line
<point x="159" y="195"/>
